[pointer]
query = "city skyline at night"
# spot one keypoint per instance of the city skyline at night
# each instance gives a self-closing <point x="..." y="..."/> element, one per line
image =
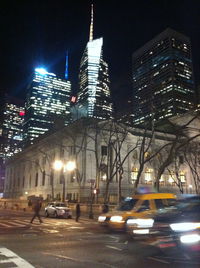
<point x="35" y="34"/>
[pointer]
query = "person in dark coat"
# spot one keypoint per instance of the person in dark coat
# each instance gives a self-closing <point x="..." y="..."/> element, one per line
<point x="37" y="206"/>
<point x="29" y="203"/>
<point x="78" y="211"/>
<point x="105" y="208"/>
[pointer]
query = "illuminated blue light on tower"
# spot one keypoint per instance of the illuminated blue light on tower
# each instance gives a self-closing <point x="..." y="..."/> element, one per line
<point x="43" y="71"/>
<point x="66" y="68"/>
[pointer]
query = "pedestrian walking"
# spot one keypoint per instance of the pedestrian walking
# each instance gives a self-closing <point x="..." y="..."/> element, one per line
<point x="29" y="203"/>
<point x="37" y="206"/>
<point x="105" y="208"/>
<point x="78" y="211"/>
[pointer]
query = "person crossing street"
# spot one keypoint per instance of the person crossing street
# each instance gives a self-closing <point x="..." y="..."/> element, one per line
<point x="37" y="206"/>
<point x="78" y="212"/>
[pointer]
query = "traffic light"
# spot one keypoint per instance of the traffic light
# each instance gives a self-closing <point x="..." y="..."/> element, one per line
<point x="96" y="191"/>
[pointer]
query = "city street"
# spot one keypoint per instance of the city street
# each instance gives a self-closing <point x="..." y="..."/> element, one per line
<point x="66" y="243"/>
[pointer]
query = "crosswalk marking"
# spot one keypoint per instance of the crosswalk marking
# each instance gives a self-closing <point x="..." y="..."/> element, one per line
<point x="36" y="223"/>
<point x="25" y="222"/>
<point x="3" y="224"/>
<point x="16" y="224"/>
<point x="11" y="224"/>
<point x="11" y="257"/>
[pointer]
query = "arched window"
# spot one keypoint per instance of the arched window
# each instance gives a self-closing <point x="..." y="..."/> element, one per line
<point x="134" y="174"/>
<point x="51" y="178"/>
<point x="43" y="178"/>
<point x="30" y="181"/>
<point x="36" y="179"/>
<point x="23" y="181"/>
<point x="148" y="176"/>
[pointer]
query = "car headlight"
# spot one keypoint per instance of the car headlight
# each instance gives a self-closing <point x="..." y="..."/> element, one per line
<point x="184" y="226"/>
<point x="141" y="223"/>
<point x="141" y="231"/>
<point x="190" y="238"/>
<point x="116" y="219"/>
<point x="101" y="218"/>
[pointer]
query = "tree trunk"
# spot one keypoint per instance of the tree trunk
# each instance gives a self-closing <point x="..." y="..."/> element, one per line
<point x="52" y="185"/>
<point x="119" y="190"/>
<point x="106" y="192"/>
<point x="157" y="181"/>
<point x="137" y="179"/>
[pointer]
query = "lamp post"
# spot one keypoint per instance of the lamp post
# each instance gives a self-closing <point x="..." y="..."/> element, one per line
<point x="190" y="187"/>
<point x="91" y="215"/>
<point x="63" y="167"/>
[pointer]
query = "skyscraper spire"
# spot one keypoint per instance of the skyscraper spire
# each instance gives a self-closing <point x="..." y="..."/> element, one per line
<point x="66" y="67"/>
<point x="91" y="24"/>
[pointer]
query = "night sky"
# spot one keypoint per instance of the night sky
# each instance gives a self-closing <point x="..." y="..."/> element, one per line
<point x="37" y="33"/>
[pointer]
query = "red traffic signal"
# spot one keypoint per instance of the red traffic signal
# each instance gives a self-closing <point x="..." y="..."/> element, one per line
<point x="96" y="191"/>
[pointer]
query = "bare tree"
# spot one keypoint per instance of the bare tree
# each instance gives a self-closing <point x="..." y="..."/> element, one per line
<point x="175" y="175"/>
<point x="78" y="138"/>
<point x="192" y="158"/>
<point x="147" y="151"/>
<point x="167" y="154"/>
<point x="115" y="137"/>
<point x="47" y="158"/>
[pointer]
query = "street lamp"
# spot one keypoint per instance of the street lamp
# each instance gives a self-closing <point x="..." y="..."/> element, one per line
<point x="70" y="166"/>
<point x="91" y="216"/>
<point x="63" y="167"/>
<point x="190" y="187"/>
<point x="58" y="165"/>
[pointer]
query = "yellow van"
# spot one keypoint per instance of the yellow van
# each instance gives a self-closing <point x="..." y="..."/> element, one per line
<point x="138" y="206"/>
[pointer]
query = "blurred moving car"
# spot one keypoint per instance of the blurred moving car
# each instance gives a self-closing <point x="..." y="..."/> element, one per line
<point x="58" y="209"/>
<point x="137" y="207"/>
<point x="176" y="230"/>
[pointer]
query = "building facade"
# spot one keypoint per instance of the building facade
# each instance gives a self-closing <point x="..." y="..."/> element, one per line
<point x="47" y="104"/>
<point x="94" y="98"/>
<point x="163" y="83"/>
<point x="97" y="158"/>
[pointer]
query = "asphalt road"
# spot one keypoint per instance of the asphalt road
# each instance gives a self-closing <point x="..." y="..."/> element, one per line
<point x="66" y="243"/>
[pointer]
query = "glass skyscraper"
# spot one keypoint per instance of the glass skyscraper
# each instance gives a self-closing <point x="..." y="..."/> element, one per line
<point x="163" y="84"/>
<point x="94" y="98"/>
<point x="12" y="116"/>
<point x="47" y="104"/>
<point x="11" y="127"/>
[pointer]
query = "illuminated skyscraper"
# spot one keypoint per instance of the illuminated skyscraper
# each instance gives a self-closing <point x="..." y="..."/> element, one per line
<point x="163" y="84"/>
<point x="11" y="127"/>
<point x="47" y="104"/>
<point x="94" y="98"/>
<point x="11" y="115"/>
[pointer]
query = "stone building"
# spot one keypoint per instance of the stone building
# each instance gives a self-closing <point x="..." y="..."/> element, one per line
<point x="104" y="154"/>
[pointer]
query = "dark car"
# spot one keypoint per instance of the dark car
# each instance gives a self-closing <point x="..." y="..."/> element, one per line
<point x="175" y="230"/>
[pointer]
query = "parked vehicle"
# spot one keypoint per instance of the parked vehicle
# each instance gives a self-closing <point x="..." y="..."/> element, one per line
<point x="58" y="209"/>
<point x="139" y="206"/>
